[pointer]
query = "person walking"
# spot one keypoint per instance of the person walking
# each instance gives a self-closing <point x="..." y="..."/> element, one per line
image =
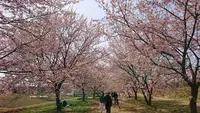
<point x="101" y="102"/>
<point x="116" y="100"/>
<point x="108" y="102"/>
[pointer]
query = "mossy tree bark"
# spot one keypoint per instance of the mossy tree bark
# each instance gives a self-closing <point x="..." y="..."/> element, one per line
<point x="57" y="92"/>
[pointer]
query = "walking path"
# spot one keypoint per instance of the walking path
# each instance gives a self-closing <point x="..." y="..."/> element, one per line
<point x="124" y="108"/>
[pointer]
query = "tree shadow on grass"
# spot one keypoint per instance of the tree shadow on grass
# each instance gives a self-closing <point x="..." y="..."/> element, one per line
<point x="128" y="109"/>
<point x="170" y="106"/>
<point x="158" y="106"/>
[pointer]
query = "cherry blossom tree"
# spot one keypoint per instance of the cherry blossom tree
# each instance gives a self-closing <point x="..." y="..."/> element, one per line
<point x="44" y="41"/>
<point x="166" y="32"/>
<point x="22" y="16"/>
<point x="98" y="79"/>
<point x="145" y="75"/>
<point x="21" y="24"/>
<point x="125" y="83"/>
<point x="61" y="53"/>
<point x="91" y="78"/>
<point x="48" y="43"/>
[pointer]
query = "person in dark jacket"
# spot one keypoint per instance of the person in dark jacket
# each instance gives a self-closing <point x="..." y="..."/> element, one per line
<point x="108" y="102"/>
<point x="101" y="102"/>
<point x="116" y="101"/>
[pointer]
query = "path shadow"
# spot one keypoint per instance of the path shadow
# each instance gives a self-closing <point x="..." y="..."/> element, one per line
<point x="158" y="106"/>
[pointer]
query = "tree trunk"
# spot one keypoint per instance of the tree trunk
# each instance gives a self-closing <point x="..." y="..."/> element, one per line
<point x="193" y="99"/>
<point x="129" y="95"/>
<point x="135" y="92"/>
<point x="58" y="103"/>
<point x="150" y="92"/>
<point x="150" y="99"/>
<point x="94" y="92"/>
<point x="135" y="95"/>
<point x="145" y="97"/>
<point x="83" y="97"/>
<point x="147" y="100"/>
<point x="57" y="92"/>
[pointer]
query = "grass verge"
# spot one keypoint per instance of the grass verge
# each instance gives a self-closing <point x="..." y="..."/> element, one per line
<point x="76" y="106"/>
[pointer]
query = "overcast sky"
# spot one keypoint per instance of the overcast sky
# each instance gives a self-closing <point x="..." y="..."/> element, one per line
<point x="90" y="9"/>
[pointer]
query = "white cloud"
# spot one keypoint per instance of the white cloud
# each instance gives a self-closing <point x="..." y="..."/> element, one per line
<point x="90" y="9"/>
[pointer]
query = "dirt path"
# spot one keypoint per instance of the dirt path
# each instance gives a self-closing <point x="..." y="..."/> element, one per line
<point x="124" y="108"/>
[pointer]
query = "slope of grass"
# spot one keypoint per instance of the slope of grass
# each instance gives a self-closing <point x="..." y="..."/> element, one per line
<point x="128" y="105"/>
<point x="19" y="109"/>
<point x="17" y="103"/>
<point x="159" y="105"/>
<point x="13" y="101"/>
<point x="76" y="106"/>
<point x="177" y="93"/>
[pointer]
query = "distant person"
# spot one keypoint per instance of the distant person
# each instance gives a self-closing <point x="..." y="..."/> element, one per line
<point x="112" y="94"/>
<point x="108" y="102"/>
<point x="101" y="102"/>
<point x="116" y="100"/>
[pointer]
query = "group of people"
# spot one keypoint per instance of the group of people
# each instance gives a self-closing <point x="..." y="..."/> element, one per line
<point x="106" y="100"/>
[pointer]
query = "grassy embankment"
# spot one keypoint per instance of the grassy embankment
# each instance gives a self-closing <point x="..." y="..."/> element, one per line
<point x="25" y="104"/>
<point x="159" y="105"/>
<point x="169" y="104"/>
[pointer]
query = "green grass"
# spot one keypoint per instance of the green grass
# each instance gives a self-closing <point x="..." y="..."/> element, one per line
<point x="16" y="103"/>
<point x="41" y="109"/>
<point x="158" y="106"/>
<point x="20" y="101"/>
<point x="179" y="93"/>
<point x="26" y="108"/>
<point x="76" y="106"/>
<point x="79" y="106"/>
